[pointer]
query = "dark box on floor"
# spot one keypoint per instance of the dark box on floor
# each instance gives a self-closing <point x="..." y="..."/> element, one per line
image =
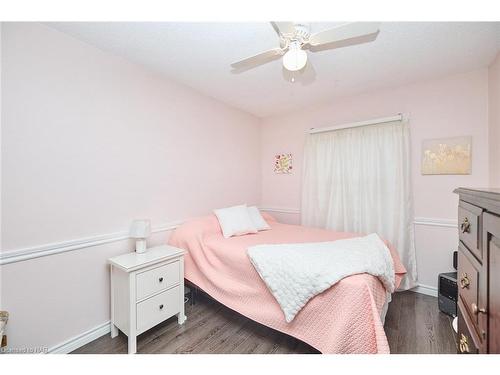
<point x="448" y="293"/>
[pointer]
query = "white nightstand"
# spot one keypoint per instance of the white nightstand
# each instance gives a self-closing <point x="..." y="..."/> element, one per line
<point x="146" y="289"/>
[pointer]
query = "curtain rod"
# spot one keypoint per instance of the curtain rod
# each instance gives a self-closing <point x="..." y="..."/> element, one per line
<point x="382" y="120"/>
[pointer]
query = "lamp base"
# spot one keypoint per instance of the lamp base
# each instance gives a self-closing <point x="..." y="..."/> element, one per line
<point x="140" y="246"/>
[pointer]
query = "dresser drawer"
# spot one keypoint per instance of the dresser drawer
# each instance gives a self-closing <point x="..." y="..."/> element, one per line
<point x="157" y="279"/>
<point x="469" y="218"/>
<point x="156" y="309"/>
<point x="466" y="340"/>
<point x="468" y="282"/>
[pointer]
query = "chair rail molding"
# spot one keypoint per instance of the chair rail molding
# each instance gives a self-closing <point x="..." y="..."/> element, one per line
<point x="427" y="221"/>
<point x="436" y="222"/>
<point x="281" y="210"/>
<point x="19" y="255"/>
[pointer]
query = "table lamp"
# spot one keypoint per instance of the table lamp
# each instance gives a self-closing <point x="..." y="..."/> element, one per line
<point x="140" y="230"/>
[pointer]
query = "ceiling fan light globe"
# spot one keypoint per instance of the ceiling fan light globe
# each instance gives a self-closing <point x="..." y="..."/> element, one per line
<point x="294" y="59"/>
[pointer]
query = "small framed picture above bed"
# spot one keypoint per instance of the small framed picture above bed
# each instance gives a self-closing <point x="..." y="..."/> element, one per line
<point x="283" y="163"/>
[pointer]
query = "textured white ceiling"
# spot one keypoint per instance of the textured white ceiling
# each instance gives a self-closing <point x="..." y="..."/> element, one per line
<point x="199" y="55"/>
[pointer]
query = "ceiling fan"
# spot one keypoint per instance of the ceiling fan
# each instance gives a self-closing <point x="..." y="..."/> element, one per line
<point x="295" y="38"/>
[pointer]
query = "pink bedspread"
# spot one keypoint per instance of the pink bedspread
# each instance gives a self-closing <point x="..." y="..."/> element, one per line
<point x="343" y="319"/>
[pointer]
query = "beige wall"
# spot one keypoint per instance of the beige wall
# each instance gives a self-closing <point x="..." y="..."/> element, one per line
<point x="90" y="142"/>
<point x="494" y="121"/>
<point x="447" y="107"/>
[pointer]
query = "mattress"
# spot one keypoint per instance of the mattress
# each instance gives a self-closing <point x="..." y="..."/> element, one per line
<point x="345" y="318"/>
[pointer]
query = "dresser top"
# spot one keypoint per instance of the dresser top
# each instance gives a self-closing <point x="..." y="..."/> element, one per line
<point x="491" y="193"/>
<point x="488" y="199"/>
<point x="133" y="261"/>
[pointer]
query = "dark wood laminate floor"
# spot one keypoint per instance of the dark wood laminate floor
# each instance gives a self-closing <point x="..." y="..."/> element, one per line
<point x="413" y="325"/>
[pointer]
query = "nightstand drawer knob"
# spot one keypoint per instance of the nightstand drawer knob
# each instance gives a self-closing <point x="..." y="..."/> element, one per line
<point x="160" y="279"/>
<point x="161" y="307"/>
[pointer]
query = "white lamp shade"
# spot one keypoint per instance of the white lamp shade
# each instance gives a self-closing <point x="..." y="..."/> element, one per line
<point x="140" y="229"/>
<point x="295" y="59"/>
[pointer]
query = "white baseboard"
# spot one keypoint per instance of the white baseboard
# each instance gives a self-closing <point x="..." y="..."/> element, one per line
<point x="82" y="339"/>
<point x="425" y="289"/>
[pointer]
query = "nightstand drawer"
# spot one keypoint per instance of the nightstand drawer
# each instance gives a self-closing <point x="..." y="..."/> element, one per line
<point x="157" y="279"/>
<point x="156" y="309"/>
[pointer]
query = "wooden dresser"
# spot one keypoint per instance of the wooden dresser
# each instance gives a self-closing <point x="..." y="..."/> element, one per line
<point x="478" y="270"/>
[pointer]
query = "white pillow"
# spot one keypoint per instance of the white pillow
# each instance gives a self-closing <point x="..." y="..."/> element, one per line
<point x="257" y="219"/>
<point x="235" y="221"/>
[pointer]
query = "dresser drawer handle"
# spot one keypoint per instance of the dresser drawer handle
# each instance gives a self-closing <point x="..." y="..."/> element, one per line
<point x="476" y="310"/>
<point x="464" y="345"/>
<point x="160" y="279"/>
<point x="161" y="307"/>
<point x="465" y="225"/>
<point x="464" y="281"/>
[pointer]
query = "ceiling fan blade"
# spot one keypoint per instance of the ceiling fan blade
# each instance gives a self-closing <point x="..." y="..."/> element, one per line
<point x="258" y="59"/>
<point x="344" y="33"/>
<point x="283" y="28"/>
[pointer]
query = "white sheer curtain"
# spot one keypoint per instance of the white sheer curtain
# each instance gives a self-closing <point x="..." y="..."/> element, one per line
<point x="358" y="180"/>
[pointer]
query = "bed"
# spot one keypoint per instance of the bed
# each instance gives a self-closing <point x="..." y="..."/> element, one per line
<point x="346" y="318"/>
